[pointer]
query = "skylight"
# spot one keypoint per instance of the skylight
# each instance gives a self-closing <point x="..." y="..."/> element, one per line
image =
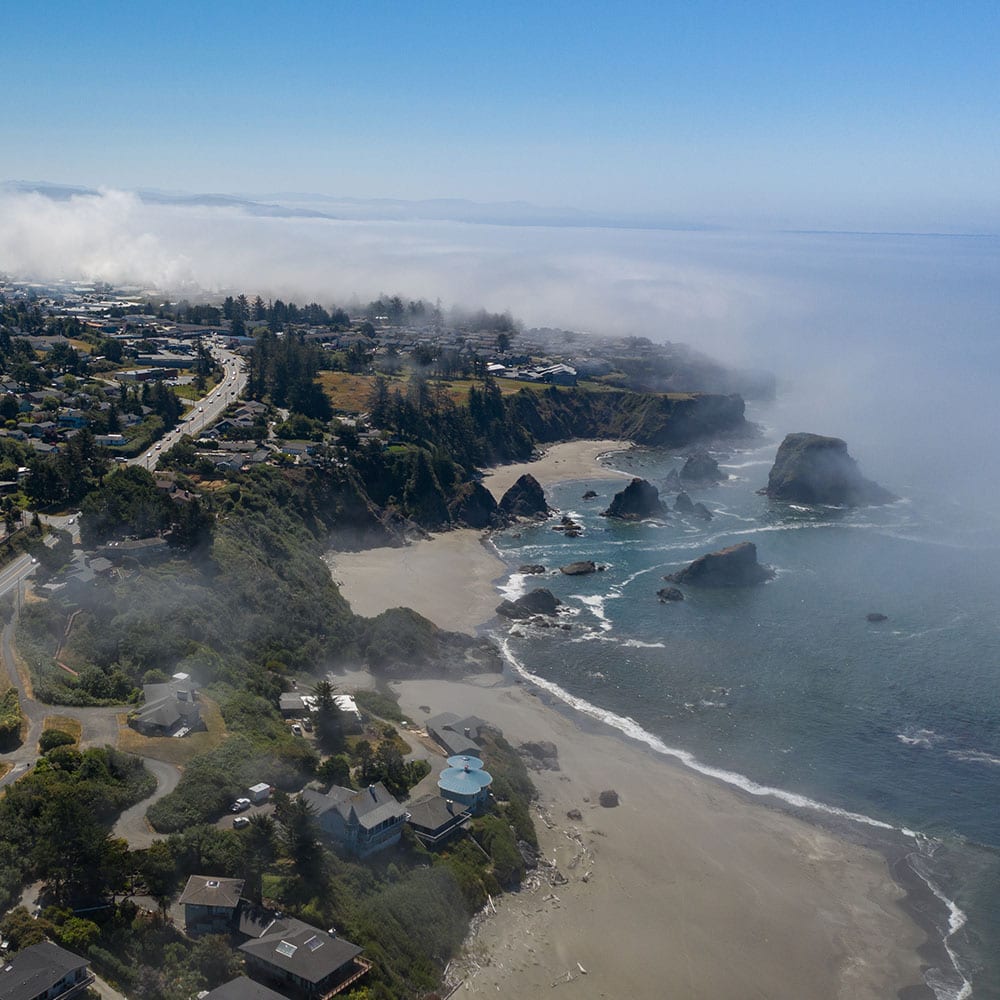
<point x="286" y="949"/>
<point x="314" y="942"/>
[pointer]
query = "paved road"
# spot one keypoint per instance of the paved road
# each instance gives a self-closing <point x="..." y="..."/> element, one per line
<point x="132" y="823"/>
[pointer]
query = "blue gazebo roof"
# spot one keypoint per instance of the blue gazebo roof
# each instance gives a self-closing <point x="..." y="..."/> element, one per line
<point x="464" y="780"/>
<point x="461" y="760"/>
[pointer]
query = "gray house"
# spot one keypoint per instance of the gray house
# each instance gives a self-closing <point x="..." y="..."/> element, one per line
<point x="168" y="708"/>
<point x="364" y="822"/>
<point x="211" y="904"/>
<point x="44" y="971"/>
<point x="455" y="735"/>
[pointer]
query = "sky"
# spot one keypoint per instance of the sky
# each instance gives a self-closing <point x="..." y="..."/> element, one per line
<point x="781" y="114"/>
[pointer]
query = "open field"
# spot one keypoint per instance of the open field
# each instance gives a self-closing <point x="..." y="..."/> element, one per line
<point x="171" y="750"/>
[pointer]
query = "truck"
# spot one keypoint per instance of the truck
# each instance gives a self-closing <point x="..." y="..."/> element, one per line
<point x="259" y="793"/>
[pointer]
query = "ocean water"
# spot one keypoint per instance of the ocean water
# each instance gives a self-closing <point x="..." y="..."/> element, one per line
<point x="887" y="729"/>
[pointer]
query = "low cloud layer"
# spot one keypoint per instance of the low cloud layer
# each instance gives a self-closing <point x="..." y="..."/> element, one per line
<point x="887" y="341"/>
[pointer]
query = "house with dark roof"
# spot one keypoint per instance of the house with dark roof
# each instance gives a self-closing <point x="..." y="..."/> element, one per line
<point x="168" y="708"/>
<point x="242" y="989"/>
<point x="304" y="960"/>
<point x="364" y="822"/>
<point x="455" y="735"/>
<point x="434" y="819"/>
<point x="44" y="971"/>
<point x="211" y="904"/>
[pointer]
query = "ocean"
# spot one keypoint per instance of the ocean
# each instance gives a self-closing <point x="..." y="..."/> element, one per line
<point x="787" y="686"/>
<point x="887" y="731"/>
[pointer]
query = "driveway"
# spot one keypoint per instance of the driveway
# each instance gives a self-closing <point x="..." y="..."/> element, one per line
<point x="132" y="824"/>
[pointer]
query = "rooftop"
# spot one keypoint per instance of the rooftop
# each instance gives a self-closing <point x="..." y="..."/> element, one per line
<point x="209" y="890"/>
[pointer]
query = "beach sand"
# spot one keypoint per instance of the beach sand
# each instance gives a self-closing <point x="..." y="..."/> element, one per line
<point x="688" y="888"/>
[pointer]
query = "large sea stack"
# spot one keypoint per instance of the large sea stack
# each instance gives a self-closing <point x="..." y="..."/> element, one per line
<point x="524" y="499"/>
<point x="702" y="468"/>
<point x="473" y="505"/>
<point x="637" y="501"/>
<point x="736" y="566"/>
<point x="813" y="469"/>
<point x="539" y="601"/>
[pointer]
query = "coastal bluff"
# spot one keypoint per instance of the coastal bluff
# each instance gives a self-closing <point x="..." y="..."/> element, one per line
<point x="813" y="469"/>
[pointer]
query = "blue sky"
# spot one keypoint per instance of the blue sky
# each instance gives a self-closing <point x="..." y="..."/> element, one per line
<point x="838" y="114"/>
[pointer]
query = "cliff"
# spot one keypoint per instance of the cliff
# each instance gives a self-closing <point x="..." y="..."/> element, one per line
<point x="813" y="469"/>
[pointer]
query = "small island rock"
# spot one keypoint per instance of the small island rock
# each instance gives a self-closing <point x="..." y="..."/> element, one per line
<point x="876" y="616"/>
<point x="735" y="566"/>
<point x="637" y="501"/>
<point x="524" y="499"/>
<point x="666" y="594"/>
<point x="683" y="503"/>
<point x="537" y="602"/>
<point x="813" y="469"/>
<point x="700" y="510"/>
<point x="531" y="568"/>
<point x="701" y="468"/>
<point x="579" y="568"/>
<point x="589" y="495"/>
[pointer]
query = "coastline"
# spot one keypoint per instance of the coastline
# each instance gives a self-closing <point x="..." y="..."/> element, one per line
<point x="689" y="887"/>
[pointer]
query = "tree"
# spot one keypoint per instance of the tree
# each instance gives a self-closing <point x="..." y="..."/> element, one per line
<point x="503" y="342"/>
<point x="158" y="871"/>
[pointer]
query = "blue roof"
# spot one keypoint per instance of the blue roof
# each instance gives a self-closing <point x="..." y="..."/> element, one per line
<point x="462" y="781"/>
<point x="460" y="760"/>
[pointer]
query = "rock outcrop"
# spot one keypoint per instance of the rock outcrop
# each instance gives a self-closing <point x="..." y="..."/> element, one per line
<point x="637" y="501"/>
<point x="813" y="469"/>
<point x="683" y="504"/>
<point x="579" y="568"/>
<point x="667" y="594"/>
<point x="876" y="616"/>
<point x="700" y="467"/>
<point x="735" y="566"/>
<point x="531" y="568"/>
<point x="540" y="755"/>
<point x="700" y="510"/>
<point x="589" y="495"/>
<point x="539" y="601"/>
<point x="473" y="505"/>
<point x="524" y="499"/>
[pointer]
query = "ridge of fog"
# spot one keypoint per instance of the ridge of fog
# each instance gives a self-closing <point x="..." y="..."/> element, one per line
<point x="889" y="341"/>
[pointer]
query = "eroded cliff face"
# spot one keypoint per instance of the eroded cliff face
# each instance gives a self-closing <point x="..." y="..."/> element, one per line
<point x="813" y="469"/>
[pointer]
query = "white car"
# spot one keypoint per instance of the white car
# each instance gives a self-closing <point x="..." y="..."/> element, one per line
<point x="240" y="821"/>
<point x="240" y="805"/>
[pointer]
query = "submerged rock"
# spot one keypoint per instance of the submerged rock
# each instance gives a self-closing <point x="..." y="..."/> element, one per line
<point x="637" y="501"/>
<point x="525" y="498"/>
<point x="735" y="566"/>
<point x="876" y="616"/>
<point x="539" y="601"/>
<point x="813" y="469"/>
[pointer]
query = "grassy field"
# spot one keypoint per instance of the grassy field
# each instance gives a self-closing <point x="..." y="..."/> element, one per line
<point x="65" y="724"/>
<point x="171" y="750"/>
<point x="351" y="393"/>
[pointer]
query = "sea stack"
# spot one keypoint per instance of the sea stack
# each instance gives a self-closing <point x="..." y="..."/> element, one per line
<point x="525" y="498"/>
<point x="735" y="566"/>
<point x="813" y="469"/>
<point x="637" y="501"/>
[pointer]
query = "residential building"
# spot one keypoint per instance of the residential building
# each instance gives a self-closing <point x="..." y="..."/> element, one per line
<point x="211" y="904"/>
<point x="168" y="708"/>
<point x="455" y="735"/>
<point x="434" y="819"/>
<point x="364" y="822"/>
<point x="308" y="962"/>
<point x="242" y="989"/>
<point x="44" y="972"/>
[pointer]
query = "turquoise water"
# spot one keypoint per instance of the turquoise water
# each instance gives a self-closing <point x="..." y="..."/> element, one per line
<point x="787" y="685"/>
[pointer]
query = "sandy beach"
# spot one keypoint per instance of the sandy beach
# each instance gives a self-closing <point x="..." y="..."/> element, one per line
<point x="688" y="888"/>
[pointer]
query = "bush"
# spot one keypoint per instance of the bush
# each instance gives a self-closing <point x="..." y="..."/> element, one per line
<point x="10" y="717"/>
<point x="53" y="738"/>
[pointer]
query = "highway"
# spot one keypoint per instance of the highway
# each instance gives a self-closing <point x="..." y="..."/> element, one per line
<point x="204" y="412"/>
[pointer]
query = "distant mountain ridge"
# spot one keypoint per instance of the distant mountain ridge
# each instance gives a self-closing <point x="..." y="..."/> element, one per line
<point x="298" y="205"/>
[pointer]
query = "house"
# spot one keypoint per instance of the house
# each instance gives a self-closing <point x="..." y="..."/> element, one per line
<point x="456" y="736"/>
<point x="309" y="962"/>
<point x="364" y="822"/>
<point x="211" y="904"/>
<point x="168" y="708"/>
<point x="465" y="783"/>
<point x="139" y="549"/>
<point x="242" y="989"/>
<point x="292" y="706"/>
<point x="44" y="971"/>
<point x="434" y="819"/>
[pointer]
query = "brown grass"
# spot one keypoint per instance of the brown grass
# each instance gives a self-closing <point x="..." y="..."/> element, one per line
<point x="65" y="723"/>
<point x="5" y="766"/>
<point x="176" y="751"/>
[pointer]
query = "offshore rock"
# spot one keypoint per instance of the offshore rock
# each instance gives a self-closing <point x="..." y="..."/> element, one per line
<point x="579" y="568"/>
<point x="813" y="469"/>
<point x="531" y="568"/>
<point x="589" y="495"/>
<point x="669" y="594"/>
<point x="673" y="481"/>
<point x="700" y="510"/>
<point x="876" y="616"/>
<point x="524" y="499"/>
<point x="637" y="501"/>
<point x="539" y="601"/>
<point x="683" y="503"/>
<point x="735" y="566"/>
<point x="473" y="505"/>
<point x="702" y="468"/>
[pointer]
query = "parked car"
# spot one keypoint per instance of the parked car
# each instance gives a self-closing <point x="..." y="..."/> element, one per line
<point x="240" y="821"/>
<point x="297" y="729"/>
<point x="239" y="805"/>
